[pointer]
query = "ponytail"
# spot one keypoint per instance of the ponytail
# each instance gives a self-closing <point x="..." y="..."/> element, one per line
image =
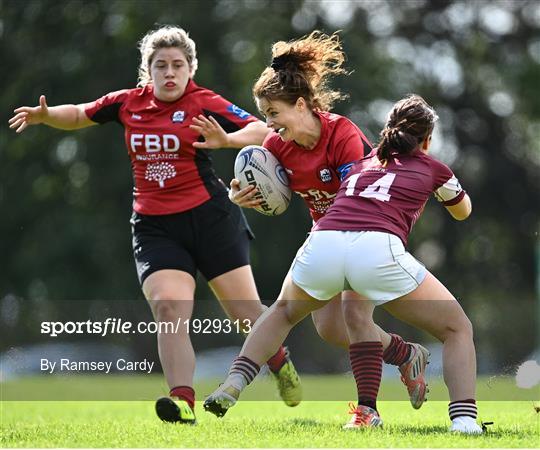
<point x="409" y="123"/>
<point x="303" y="68"/>
<point x="395" y="139"/>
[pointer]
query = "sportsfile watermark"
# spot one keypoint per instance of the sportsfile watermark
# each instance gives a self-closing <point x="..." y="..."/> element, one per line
<point x="117" y="325"/>
<point x="108" y="350"/>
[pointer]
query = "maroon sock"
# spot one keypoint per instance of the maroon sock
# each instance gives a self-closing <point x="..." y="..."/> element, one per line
<point x="366" y="362"/>
<point x="276" y="362"/>
<point x="398" y="352"/>
<point x="184" y="393"/>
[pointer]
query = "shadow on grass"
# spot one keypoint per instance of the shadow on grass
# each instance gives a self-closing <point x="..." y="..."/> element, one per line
<point x="510" y="433"/>
<point x="305" y="422"/>
<point x="443" y="429"/>
<point x="418" y="429"/>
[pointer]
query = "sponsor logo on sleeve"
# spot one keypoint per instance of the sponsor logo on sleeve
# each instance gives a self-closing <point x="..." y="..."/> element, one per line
<point x="343" y="170"/>
<point x="238" y="111"/>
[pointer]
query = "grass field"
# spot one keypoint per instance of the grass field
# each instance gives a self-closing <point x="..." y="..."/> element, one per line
<point x="257" y="424"/>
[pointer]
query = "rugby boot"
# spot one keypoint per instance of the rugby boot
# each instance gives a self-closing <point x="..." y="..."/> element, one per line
<point x="362" y="417"/>
<point x="288" y="381"/>
<point x="413" y="375"/>
<point x="465" y="425"/>
<point x="173" y="411"/>
<point x="219" y="401"/>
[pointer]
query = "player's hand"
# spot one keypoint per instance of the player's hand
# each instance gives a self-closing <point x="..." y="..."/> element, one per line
<point x="243" y="197"/>
<point x="27" y="115"/>
<point x="212" y="132"/>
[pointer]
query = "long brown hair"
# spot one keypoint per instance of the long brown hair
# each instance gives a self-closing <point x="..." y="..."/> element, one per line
<point x="409" y="123"/>
<point x="302" y="68"/>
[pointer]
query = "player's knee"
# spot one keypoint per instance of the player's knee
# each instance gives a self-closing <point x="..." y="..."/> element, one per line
<point x="165" y="308"/>
<point x="282" y="308"/>
<point x="286" y="311"/>
<point x="466" y="327"/>
<point x="245" y="310"/>
<point x="460" y="327"/>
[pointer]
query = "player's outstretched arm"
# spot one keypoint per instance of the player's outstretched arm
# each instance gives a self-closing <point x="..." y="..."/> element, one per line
<point x="243" y="197"/>
<point x="462" y="210"/>
<point x="64" y="117"/>
<point x="252" y="134"/>
<point x="216" y="137"/>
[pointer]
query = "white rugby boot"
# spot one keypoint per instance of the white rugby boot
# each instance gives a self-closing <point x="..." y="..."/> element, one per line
<point x="465" y="425"/>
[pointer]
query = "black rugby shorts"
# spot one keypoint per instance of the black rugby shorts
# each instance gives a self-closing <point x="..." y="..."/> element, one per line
<point x="212" y="238"/>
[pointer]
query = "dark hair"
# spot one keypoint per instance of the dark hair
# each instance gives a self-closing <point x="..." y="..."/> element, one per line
<point x="302" y="68"/>
<point x="409" y="123"/>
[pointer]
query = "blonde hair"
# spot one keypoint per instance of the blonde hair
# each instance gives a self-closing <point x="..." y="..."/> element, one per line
<point x="165" y="37"/>
<point x="302" y="68"/>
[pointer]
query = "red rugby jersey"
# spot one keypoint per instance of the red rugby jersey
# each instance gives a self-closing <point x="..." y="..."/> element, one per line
<point x="170" y="175"/>
<point x="315" y="174"/>
<point x="389" y="198"/>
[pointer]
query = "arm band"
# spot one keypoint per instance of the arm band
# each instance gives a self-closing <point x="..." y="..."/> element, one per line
<point x="449" y="191"/>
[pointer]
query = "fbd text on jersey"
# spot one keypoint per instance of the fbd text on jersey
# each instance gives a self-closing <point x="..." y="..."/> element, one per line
<point x="325" y="175"/>
<point x="154" y="142"/>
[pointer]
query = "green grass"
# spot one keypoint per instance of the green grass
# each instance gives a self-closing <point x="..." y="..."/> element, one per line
<point x="316" y="388"/>
<point x="255" y="424"/>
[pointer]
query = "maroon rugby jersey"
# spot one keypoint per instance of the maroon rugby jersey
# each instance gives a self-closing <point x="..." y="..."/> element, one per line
<point x="389" y="198"/>
<point x="170" y="175"/>
<point x="315" y="174"/>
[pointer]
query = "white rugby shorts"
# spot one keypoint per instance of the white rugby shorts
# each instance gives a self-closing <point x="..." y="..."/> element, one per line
<point x="374" y="264"/>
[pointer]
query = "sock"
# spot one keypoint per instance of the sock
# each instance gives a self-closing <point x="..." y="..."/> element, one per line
<point x="398" y="352"/>
<point x="366" y="363"/>
<point x="277" y="361"/>
<point x="242" y="372"/>
<point x="462" y="408"/>
<point x="184" y="393"/>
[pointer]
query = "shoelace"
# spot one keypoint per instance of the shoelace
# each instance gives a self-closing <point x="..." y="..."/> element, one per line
<point x="359" y="417"/>
<point x="288" y="381"/>
<point x="352" y="408"/>
<point x="485" y="425"/>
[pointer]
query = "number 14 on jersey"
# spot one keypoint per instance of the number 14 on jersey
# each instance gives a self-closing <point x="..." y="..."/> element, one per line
<point x="377" y="190"/>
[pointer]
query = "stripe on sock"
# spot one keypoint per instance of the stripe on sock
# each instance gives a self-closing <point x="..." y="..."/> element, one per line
<point x="397" y="352"/>
<point x="463" y="408"/>
<point x="366" y="363"/>
<point x="246" y="367"/>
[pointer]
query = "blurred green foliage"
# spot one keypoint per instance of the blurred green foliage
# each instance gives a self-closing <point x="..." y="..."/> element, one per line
<point x="65" y="196"/>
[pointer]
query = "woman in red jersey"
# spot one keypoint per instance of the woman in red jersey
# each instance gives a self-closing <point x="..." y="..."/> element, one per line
<point x="182" y="218"/>
<point x="317" y="148"/>
<point x="360" y="242"/>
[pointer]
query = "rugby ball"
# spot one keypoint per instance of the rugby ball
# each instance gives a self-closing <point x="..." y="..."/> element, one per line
<point x="257" y="166"/>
